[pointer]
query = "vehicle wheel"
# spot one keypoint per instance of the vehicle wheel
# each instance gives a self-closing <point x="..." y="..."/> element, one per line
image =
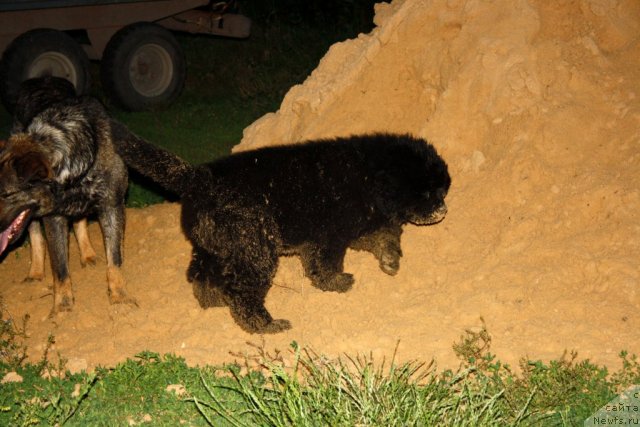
<point x="38" y="53"/>
<point x="143" y="66"/>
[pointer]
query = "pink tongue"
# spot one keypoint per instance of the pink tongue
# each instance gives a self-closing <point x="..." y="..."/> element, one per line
<point x="4" y="239"/>
<point x="12" y="229"/>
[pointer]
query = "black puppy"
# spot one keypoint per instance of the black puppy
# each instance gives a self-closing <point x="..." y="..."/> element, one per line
<point x="314" y="200"/>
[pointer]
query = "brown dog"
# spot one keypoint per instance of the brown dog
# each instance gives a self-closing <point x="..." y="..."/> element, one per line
<point x="64" y="166"/>
<point x="36" y="95"/>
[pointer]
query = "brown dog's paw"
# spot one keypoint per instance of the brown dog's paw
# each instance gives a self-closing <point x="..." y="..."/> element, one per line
<point x="34" y="278"/>
<point x="120" y="296"/>
<point x="116" y="288"/>
<point x="62" y="301"/>
<point x="88" y="260"/>
<point x="36" y="270"/>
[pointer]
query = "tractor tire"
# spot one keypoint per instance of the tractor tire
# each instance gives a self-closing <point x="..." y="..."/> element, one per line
<point x="143" y="67"/>
<point x="42" y="52"/>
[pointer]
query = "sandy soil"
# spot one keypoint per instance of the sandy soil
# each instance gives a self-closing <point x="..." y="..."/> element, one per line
<point x="534" y="105"/>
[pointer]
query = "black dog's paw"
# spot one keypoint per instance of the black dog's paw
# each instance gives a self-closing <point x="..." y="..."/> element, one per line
<point x="272" y="327"/>
<point x="276" y="325"/>
<point x="390" y="260"/>
<point x="259" y="323"/>
<point x="340" y="282"/>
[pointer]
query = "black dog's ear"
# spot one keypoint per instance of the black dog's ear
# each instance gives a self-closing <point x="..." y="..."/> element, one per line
<point x="32" y="166"/>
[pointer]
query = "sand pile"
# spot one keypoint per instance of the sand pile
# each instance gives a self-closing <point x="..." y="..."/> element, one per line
<point x="534" y="104"/>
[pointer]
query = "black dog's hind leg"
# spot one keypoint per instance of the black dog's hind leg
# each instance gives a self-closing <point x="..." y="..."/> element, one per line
<point x="234" y="262"/>
<point x="324" y="266"/>
<point x="241" y="286"/>
<point x="248" y="310"/>
<point x="111" y="221"/>
<point x="384" y="244"/>
<point x="202" y="279"/>
<point x="57" y="231"/>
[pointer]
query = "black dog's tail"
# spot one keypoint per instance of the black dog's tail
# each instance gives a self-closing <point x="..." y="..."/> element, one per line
<point x="161" y="166"/>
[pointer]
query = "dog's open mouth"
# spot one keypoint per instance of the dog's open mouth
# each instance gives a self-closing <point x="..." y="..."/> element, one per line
<point x="14" y="230"/>
<point x="433" y="218"/>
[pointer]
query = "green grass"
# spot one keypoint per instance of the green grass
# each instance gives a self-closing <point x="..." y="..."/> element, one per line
<point x="354" y="390"/>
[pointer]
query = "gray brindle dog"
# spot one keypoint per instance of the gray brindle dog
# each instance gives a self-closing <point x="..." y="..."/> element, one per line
<point x="63" y="166"/>
<point x="36" y="95"/>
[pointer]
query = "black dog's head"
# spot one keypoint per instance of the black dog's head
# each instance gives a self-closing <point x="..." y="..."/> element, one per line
<point x="416" y="183"/>
<point x="429" y="191"/>
<point x="24" y="179"/>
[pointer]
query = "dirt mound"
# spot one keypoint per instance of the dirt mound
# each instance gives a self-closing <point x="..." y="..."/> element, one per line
<point x="534" y="106"/>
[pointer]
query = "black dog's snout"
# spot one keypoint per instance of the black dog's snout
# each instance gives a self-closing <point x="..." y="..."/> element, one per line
<point x="442" y="193"/>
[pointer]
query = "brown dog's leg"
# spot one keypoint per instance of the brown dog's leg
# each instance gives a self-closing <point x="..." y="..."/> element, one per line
<point x="112" y="223"/>
<point x="62" y="296"/>
<point x="36" y="242"/>
<point x="117" y="287"/>
<point x="87" y="253"/>
<point x="57" y="231"/>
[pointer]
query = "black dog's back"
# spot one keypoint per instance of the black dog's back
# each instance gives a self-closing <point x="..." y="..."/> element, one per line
<point x="362" y="173"/>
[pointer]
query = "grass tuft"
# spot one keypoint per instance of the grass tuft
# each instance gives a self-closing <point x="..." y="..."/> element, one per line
<point x="304" y="388"/>
<point x="12" y="352"/>
<point x="358" y="391"/>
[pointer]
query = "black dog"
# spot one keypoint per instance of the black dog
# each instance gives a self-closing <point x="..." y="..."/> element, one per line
<point x="313" y="200"/>
<point x="36" y="95"/>
<point x="64" y="166"/>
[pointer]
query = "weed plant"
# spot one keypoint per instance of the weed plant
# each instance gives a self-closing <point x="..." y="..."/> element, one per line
<point x="482" y="391"/>
<point x="303" y="388"/>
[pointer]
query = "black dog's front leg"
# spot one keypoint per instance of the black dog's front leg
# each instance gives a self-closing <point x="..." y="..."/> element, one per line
<point x="57" y="231"/>
<point x="324" y="266"/>
<point x="236" y="283"/>
<point x="384" y="244"/>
